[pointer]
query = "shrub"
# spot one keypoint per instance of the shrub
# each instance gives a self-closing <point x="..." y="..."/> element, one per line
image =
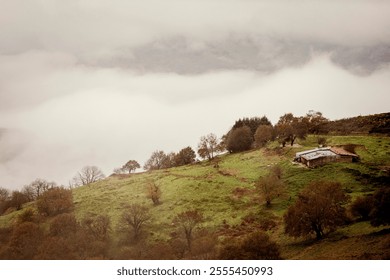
<point x="319" y="208"/>
<point x="239" y="140"/>
<point x="255" y="246"/>
<point x="362" y="207"/>
<point x="381" y="209"/>
<point x="24" y="242"/>
<point x="55" y="201"/>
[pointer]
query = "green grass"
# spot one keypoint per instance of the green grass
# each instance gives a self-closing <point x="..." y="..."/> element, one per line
<point x="210" y="190"/>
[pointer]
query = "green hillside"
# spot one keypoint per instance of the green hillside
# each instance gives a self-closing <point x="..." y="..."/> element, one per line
<point x="226" y="196"/>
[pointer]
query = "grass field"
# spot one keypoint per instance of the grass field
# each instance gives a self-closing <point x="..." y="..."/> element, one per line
<point x="225" y="195"/>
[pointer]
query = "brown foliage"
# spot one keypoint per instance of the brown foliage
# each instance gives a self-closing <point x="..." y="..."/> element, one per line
<point x="36" y="188"/>
<point x="56" y="248"/>
<point x="289" y="128"/>
<point x="255" y="246"/>
<point x="362" y="207"/>
<point x="17" y="200"/>
<point x="27" y="215"/>
<point x="271" y="185"/>
<point x="188" y="221"/>
<point x="158" y="160"/>
<point x="131" y="166"/>
<point x="134" y="217"/>
<point x="64" y="225"/>
<point x="153" y="192"/>
<point x="204" y="245"/>
<point x="4" y="200"/>
<point x="184" y="156"/>
<point x="381" y="208"/>
<point x="319" y="209"/>
<point x="263" y="135"/>
<point x="239" y="140"/>
<point x="98" y="226"/>
<point x="24" y="242"/>
<point x="55" y="201"/>
<point x="209" y="146"/>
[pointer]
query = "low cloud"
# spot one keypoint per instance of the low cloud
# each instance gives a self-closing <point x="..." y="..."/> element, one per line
<point x="106" y="117"/>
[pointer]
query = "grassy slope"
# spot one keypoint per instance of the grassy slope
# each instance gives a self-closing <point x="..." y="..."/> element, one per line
<point x="210" y="190"/>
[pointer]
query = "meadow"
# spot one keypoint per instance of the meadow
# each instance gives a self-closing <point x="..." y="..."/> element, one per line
<point x="225" y="194"/>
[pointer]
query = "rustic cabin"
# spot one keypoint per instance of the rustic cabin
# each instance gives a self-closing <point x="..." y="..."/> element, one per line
<point x="321" y="156"/>
<point x="344" y="156"/>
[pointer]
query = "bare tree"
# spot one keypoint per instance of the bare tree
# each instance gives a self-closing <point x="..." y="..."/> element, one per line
<point x="187" y="221"/>
<point x="17" y="200"/>
<point x="209" y="146"/>
<point x="88" y="175"/>
<point x="37" y="187"/>
<point x="135" y="216"/>
<point x="98" y="226"/>
<point x="119" y="171"/>
<point x="4" y="197"/>
<point x="158" y="160"/>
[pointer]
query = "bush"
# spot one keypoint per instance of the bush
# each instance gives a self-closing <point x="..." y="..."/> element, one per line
<point x="362" y="207"/>
<point x="263" y="135"/>
<point x="255" y="246"/>
<point x="55" y="201"/>
<point x="27" y="215"/>
<point x="318" y="209"/>
<point x="24" y="242"/>
<point x="381" y="207"/>
<point x="97" y="226"/>
<point x="239" y="140"/>
<point x="64" y="225"/>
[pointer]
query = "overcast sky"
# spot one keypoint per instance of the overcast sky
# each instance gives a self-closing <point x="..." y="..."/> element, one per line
<point x="100" y="82"/>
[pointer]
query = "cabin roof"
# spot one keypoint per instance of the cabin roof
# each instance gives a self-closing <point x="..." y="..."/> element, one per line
<point x="323" y="152"/>
<point x="342" y="152"/>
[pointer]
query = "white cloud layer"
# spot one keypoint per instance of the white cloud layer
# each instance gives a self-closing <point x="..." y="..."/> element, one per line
<point x="106" y="117"/>
<point x="97" y="27"/>
<point x="101" y="82"/>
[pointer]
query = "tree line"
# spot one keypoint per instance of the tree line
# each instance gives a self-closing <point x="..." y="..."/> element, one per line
<point x="245" y="134"/>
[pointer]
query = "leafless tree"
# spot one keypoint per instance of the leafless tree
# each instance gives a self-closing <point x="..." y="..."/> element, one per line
<point x="135" y="216"/>
<point x="98" y="226"/>
<point x="209" y="146"/>
<point x="88" y="175"/>
<point x="4" y="197"/>
<point x="187" y="221"/>
<point x="158" y="160"/>
<point x="37" y="187"/>
<point x="4" y="194"/>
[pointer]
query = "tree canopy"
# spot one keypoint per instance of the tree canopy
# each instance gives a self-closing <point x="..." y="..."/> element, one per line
<point x="319" y="209"/>
<point x="131" y="166"/>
